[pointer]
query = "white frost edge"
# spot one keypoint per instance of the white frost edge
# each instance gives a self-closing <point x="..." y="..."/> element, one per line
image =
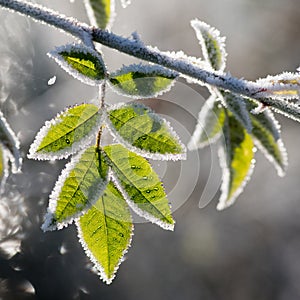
<point x="97" y="265"/>
<point x="139" y="211"/>
<point x="54" y="196"/>
<point x="12" y="144"/>
<point x="194" y="143"/>
<point x="271" y="84"/>
<point x="223" y="201"/>
<point x="144" y="153"/>
<point x="5" y="158"/>
<point x="199" y="27"/>
<point x="92" y="18"/>
<point x="125" y="3"/>
<point x="66" y="152"/>
<point x="152" y="71"/>
<point x="69" y="69"/>
<point x="239" y="110"/>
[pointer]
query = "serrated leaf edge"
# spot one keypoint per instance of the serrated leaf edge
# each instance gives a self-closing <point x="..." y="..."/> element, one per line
<point x="66" y="152"/>
<point x="101" y="272"/>
<point x="54" y="54"/>
<point x="144" y="153"/>
<point x="148" y="70"/>
<point x="224" y="202"/>
<point x="139" y="211"/>
<point x="55" y="195"/>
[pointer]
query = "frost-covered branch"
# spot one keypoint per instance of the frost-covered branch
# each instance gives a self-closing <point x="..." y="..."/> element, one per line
<point x="134" y="48"/>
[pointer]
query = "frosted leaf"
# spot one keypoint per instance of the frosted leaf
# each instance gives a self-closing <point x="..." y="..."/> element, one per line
<point x="142" y="131"/>
<point x="80" y="61"/>
<point x="105" y="232"/>
<point x="282" y="86"/>
<point x="78" y="187"/>
<point x="142" y="81"/>
<point x="66" y="134"/>
<point x="237" y="161"/>
<point x="52" y="80"/>
<point x="140" y="185"/>
<point x="125" y="3"/>
<point x="237" y="105"/>
<point x="101" y="13"/>
<point x="9" y="140"/>
<point x="210" y="123"/>
<point x="212" y="44"/>
<point x="266" y="133"/>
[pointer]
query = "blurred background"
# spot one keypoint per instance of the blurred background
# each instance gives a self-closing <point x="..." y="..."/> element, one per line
<point x="249" y="251"/>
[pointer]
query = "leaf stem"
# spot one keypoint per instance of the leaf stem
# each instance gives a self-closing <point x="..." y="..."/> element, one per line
<point x="133" y="47"/>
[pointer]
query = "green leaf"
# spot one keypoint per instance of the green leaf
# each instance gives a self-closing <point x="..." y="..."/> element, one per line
<point x="210" y="123"/>
<point x="80" y="61"/>
<point x="212" y="44"/>
<point x="142" y="131"/>
<point x="140" y="185"/>
<point x="266" y="133"/>
<point x="142" y="81"/>
<point x="11" y="143"/>
<point x="100" y="12"/>
<point x="67" y="133"/>
<point x="78" y="187"/>
<point x="237" y="105"/>
<point x="237" y="161"/>
<point x="105" y="232"/>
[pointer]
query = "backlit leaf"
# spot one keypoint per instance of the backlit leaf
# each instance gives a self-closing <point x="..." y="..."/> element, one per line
<point x="266" y="133"/>
<point x="80" y="61"/>
<point x="67" y="133"/>
<point x="142" y="131"/>
<point x="78" y="187"/>
<point x="105" y="232"/>
<point x="212" y="44"/>
<point x="237" y="161"/>
<point x="100" y="12"/>
<point x="140" y="185"/>
<point x="142" y="81"/>
<point x="210" y="123"/>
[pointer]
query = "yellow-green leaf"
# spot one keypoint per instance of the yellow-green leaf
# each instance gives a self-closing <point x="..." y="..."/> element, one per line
<point x="105" y="232"/>
<point x="140" y="185"/>
<point x="67" y="133"/>
<point x="78" y="187"/>
<point x="142" y="131"/>
<point x="237" y="161"/>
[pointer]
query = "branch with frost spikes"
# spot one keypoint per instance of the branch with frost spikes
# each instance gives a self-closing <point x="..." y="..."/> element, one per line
<point x="134" y="48"/>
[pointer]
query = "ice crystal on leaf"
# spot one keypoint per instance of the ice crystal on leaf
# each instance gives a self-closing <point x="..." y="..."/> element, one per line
<point x="144" y="132"/>
<point x="80" y="61"/>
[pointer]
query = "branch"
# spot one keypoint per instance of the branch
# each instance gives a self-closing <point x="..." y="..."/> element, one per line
<point x="134" y="48"/>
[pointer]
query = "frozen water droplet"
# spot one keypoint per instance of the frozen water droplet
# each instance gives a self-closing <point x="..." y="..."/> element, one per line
<point x="156" y="189"/>
<point x="121" y="234"/>
<point x="144" y="137"/>
<point x="68" y="141"/>
<point x="145" y="177"/>
<point x="133" y="167"/>
<point x="148" y="191"/>
<point x="52" y="80"/>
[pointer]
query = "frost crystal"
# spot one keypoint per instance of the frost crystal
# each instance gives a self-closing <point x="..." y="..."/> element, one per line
<point x="52" y="80"/>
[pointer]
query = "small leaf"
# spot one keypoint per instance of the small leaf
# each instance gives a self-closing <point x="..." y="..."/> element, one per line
<point x="80" y="61"/>
<point x="67" y="133"/>
<point x="144" y="132"/>
<point x="78" y="187"/>
<point x="210" y="123"/>
<point x="237" y="161"/>
<point x="237" y="105"/>
<point x="282" y="86"/>
<point x="212" y="44"/>
<point x="105" y="232"/>
<point x="142" y="81"/>
<point x="266" y="133"/>
<point x="9" y="140"/>
<point x="100" y="12"/>
<point x="139" y="185"/>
